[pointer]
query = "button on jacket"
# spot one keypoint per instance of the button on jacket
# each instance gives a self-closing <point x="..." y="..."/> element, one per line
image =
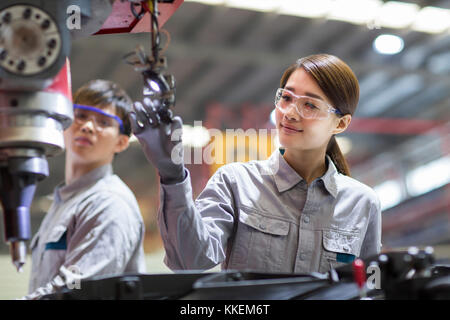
<point x="284" y="225"/>
<point x="93" y="227"/>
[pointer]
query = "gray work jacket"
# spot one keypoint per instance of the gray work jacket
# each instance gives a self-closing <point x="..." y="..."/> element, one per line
<point x="93" y="227"/>
<point x="284" y="225"/>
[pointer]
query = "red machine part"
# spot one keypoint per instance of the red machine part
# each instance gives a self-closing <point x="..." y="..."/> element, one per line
<point x="62" y="82"/>
<point x="359" y="273"/>
<point x="122" y="20"/>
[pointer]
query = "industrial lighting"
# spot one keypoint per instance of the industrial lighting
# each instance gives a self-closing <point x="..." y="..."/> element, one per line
<point x="389" y="193"/>
<point x="354" y="11"/>
<point x="397" y="15"/>
<point x="305" y="8"/>
<point x="392" y="14"/>
<point x="432" y="20"/>
<point x="428" y="177"/>
<point x="208" y="2"/>
<point x="388" y="44"/>
<point x="260" y="5"/>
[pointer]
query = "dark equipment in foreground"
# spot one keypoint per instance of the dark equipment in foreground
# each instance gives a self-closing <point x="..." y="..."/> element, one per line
<point x="401" y="275"/>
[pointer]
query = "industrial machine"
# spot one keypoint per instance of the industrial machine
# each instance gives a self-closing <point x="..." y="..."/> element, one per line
<point x="35" y="87"/>
<point x="36" y="107"/>
<point x="403" y="275"/>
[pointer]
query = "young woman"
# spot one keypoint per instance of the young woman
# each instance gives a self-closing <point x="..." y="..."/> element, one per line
<point x="94" y="226"/>
<point x="299" y="211"/>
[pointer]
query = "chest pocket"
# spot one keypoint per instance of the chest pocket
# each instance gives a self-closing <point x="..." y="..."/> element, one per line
<point x="260" y="242"/>
<point x="57" y="239"/>
<point x="339" y="247"/>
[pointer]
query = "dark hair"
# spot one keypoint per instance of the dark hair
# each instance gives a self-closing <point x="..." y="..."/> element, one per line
<point x="103" y="93"/>
<point x="341" y="87"/>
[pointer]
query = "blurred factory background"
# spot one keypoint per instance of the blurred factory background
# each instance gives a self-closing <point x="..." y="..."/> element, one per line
<point x="228" y="57"/>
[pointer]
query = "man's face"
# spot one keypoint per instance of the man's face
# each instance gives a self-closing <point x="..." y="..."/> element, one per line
<point x="93" y="138"/>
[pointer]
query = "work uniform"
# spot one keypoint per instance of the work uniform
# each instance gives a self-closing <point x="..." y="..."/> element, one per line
<point x="93" y="227"/>
<point x="284" y="224"/>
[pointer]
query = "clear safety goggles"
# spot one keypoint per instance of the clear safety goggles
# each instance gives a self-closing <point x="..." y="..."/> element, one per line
<point x="306" y="107"/>
<point x="101" y="119"/>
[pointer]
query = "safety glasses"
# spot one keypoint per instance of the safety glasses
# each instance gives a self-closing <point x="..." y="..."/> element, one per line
<point x="306" y="107"/>
<point x="101" y="119"/>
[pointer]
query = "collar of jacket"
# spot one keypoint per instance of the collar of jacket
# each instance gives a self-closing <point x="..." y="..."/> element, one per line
<point x="286" y="177"/>
<point x="64" y="192"/>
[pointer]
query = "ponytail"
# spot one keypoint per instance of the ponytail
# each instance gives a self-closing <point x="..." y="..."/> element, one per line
<point x="335" y="153"/>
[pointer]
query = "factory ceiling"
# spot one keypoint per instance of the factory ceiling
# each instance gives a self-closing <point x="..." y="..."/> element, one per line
<point x="232" y="59"/>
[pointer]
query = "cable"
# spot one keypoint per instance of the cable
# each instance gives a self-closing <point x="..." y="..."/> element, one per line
<point x="166" y="45"/>
<point x="159" y="88"/>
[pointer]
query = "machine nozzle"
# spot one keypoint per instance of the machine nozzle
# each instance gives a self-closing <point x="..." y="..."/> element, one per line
<point x="18" y="250"/>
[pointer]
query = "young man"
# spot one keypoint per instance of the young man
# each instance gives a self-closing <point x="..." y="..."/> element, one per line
<point x="94" y="226"/>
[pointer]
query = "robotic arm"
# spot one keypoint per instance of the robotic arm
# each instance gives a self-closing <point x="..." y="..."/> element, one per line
<point x="35" y="90"/>
<point x="35" y="107"/>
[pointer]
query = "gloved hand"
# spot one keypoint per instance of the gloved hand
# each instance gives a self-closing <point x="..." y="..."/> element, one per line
<point x="160" y="141"/>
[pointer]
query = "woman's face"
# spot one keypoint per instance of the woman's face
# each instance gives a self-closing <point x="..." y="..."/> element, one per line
<point x="299" y="133"/>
